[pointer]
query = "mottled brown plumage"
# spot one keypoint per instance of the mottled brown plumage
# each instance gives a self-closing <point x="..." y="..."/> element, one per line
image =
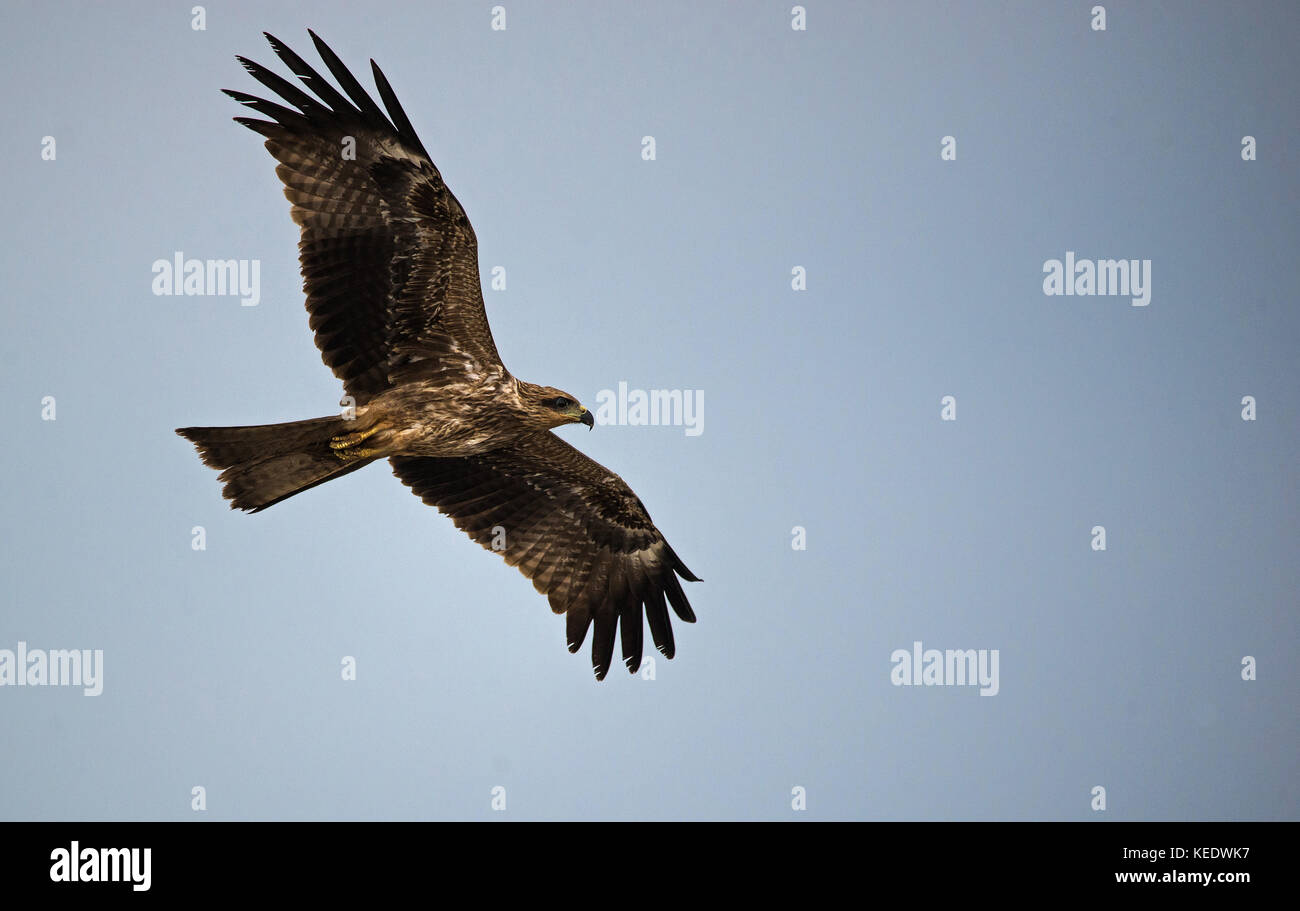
<point x="390" y="270"/>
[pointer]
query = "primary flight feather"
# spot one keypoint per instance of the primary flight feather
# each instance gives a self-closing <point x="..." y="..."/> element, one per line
<point x="390" y="270"/>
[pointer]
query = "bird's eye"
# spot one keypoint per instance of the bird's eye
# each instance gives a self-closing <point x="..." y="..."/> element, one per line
<point x="560" y="403"/>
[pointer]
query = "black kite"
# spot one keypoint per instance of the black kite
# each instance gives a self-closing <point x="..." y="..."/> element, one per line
<point x="390" y="270"/>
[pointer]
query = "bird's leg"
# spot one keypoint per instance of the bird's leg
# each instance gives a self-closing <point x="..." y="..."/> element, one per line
<point x="344" y="446"/>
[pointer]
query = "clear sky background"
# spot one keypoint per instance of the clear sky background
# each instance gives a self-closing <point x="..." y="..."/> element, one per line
<point x="776" y="148"/>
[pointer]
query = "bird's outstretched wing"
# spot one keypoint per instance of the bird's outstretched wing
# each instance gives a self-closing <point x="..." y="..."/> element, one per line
<point x="389" y="260"/>
<point x="574" y="528"/>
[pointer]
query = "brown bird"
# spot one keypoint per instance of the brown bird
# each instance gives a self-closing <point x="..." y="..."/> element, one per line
<point x="390" y="270"/>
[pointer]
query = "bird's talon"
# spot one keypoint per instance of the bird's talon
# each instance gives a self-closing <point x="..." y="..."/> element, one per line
<point x="348" y="440"/>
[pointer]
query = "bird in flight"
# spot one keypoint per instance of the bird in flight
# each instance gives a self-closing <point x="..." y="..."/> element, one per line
<point x="390" y="270"/>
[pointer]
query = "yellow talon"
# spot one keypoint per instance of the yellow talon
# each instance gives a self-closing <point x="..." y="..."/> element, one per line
<point x="351" y="455"/>
<point x="345" y="446"/>
<point x="347" y="441"/>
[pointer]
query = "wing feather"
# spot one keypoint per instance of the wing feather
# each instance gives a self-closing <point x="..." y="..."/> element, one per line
<point x="575" y="529"/>
<point x="364" y="102"/>
<point x="389" y="259"/>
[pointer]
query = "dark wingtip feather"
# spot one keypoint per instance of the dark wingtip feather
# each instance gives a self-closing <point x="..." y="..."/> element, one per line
<point x="310" y="78"/>
<point x="265" y="127"/>
<point x="677" y="598"/>
<point x="345" y="78"/>
<point x="575" y="627"/>
<point x="632" y="633"/>
<point x="276" y="44"/>
<point x="602" y="643"/>
<point x="395" y="110"/>
<point x="661" y="626"/>
<point x="280" y="113"/>
<point x="680" y="567"/>
<point x="281" y="86"/>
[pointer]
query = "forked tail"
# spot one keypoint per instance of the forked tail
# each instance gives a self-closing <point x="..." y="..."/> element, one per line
<point x="267" y="463"/>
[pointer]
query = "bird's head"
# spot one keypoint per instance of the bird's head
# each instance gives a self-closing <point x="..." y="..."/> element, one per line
<point x="553" y="407"/>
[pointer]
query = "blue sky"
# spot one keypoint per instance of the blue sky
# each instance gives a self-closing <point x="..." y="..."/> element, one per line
<point x="775" y="149"/>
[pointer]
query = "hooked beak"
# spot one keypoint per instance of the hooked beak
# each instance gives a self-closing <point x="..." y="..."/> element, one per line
<point x="587" y="419"/>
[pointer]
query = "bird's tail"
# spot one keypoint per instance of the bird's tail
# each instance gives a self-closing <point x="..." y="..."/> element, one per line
<point x="268" y="463"/>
